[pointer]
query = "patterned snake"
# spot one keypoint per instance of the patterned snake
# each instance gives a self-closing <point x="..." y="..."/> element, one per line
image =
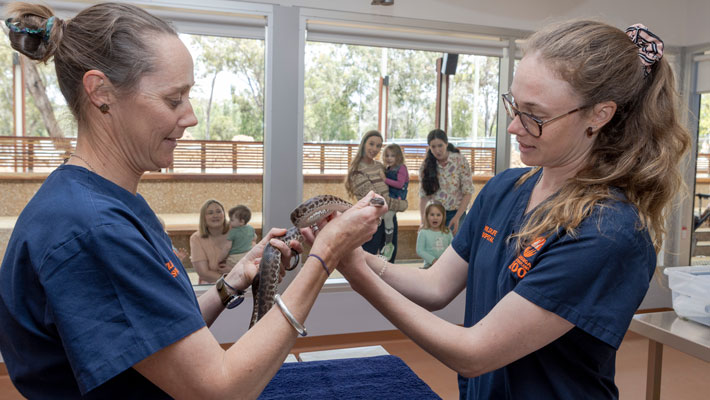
<point x="309" y="213"/>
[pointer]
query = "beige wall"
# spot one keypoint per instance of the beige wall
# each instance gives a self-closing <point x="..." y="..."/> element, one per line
<point x="185" y="195"/>
<point x="181" y="195"/>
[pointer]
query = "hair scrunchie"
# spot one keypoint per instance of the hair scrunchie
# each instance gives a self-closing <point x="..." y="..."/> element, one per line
<point x="650" y="46"/>
<point x="43" y="32"/>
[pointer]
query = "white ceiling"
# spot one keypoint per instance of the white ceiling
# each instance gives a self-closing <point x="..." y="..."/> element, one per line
<point x="678" y="22"/>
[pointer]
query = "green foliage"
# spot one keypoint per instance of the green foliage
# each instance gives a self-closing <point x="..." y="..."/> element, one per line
<point x="342" y="93"/>
<point x="33" y="119"/>
<point x="464" y="95"/>
<point x="413" y="93"/>
<point x="6" y="87"/>
<point x="340" y="90"/>
<point x="227" y="62"/>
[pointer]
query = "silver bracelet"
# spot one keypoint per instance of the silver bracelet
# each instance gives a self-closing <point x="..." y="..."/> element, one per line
<point x="284" y="310"/>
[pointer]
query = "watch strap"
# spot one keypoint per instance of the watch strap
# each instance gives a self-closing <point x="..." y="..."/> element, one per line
<point x="229" y="300"/>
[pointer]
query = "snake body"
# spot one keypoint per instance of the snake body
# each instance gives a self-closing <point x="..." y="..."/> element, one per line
<point x="307" y="214"/>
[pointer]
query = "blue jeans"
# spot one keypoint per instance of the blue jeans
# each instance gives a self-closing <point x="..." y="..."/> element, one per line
<point x="378" y="240"/>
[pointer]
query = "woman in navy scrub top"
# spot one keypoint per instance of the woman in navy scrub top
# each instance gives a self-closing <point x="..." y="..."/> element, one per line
<point x="93" y="301"/>
<point x="555" y="259"/>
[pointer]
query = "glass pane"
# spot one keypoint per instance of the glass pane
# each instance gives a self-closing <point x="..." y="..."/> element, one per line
<point x="412" y="90"/>
<point x="700" y="250"/>
<point x="341" y="86"/>
<point x="514" y="150"/>
<point x="28" y="152"/>
<point x="6" y="86"/>
<point x="228" y="96"/>
<point x="352" y="89"/>
<point x="473" y="109"/>
<point x="228" y="100"/>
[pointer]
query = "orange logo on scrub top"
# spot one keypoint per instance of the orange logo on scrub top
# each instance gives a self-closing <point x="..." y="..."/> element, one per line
<point x="489" y="233"/>
<point x="171" y="267"/>
<point x="521" y="265"/>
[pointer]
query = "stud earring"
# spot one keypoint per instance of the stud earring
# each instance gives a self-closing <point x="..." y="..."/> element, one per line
<point x="590" y="131"/>
<point x="104" y="108"/>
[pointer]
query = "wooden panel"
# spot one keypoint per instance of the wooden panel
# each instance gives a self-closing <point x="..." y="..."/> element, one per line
<point x="42" y="154"/>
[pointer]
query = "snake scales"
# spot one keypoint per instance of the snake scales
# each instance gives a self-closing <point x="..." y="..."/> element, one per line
<point x="309" y="213"/>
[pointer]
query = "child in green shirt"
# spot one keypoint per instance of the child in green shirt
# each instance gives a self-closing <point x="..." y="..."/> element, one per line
<point x="242" y="236"/>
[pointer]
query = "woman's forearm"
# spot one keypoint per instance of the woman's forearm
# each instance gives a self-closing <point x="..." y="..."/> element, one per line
<point x="408" y="281"/>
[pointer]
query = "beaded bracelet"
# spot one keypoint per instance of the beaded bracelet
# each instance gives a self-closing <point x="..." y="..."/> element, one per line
<point x="384" y="267"/>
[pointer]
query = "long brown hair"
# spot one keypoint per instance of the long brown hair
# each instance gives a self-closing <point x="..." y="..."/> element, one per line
<point x="352" y="169"/>
<point x="429" y="172"/>
<point x="638" y="151"/>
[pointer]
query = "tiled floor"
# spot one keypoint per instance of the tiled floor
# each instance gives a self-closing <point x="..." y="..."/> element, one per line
<point x="684" y="377"/>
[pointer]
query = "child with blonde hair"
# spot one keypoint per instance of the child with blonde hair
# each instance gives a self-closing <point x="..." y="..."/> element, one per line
<point x="366" y="174"/>
<point x="396" y="176"/>
<point x="435" y="237"/>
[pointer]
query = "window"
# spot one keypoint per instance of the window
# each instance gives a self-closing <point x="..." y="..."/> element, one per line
<point x="700" y="250"/>
<point x="228" y="96"/>
<point x="473" y="101"/>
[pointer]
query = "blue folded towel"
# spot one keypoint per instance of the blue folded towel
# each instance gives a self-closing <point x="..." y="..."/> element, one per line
<point x="381" y="377"/>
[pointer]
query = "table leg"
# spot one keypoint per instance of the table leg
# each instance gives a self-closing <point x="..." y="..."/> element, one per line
<point x="653" y="374"/>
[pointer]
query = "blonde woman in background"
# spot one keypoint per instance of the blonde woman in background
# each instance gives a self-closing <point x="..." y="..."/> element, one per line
<point x="209" y="246"/>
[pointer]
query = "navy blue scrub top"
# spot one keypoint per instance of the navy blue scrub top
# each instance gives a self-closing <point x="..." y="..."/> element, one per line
<point x="89" y="286"/>
<point x="596" y="280"/>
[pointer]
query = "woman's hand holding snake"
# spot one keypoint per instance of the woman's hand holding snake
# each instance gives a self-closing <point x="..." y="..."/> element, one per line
<point x="247" y="268"/>
<point x="337" y="236"/>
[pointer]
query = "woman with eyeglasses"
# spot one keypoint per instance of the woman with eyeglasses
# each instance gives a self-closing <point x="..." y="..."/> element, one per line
<point x="555" y="258"/>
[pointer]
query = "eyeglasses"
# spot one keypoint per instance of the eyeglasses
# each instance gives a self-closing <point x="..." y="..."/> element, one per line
<point x="532" y="124"/>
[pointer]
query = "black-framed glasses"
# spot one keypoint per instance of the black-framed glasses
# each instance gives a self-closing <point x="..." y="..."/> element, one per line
<point x="532" y="124"/>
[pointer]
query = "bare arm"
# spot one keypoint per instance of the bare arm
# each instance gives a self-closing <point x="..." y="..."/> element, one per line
<point x="500" y="338"/>
<point x="437" y="279"/>
<point x="197" y="367"/>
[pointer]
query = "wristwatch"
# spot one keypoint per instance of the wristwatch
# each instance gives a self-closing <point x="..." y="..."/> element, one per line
<point x="229" y="300"/>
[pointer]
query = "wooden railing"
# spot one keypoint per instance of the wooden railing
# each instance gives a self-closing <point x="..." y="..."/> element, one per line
<point x="703" y="165"/>
<point x="41" y="154"/>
